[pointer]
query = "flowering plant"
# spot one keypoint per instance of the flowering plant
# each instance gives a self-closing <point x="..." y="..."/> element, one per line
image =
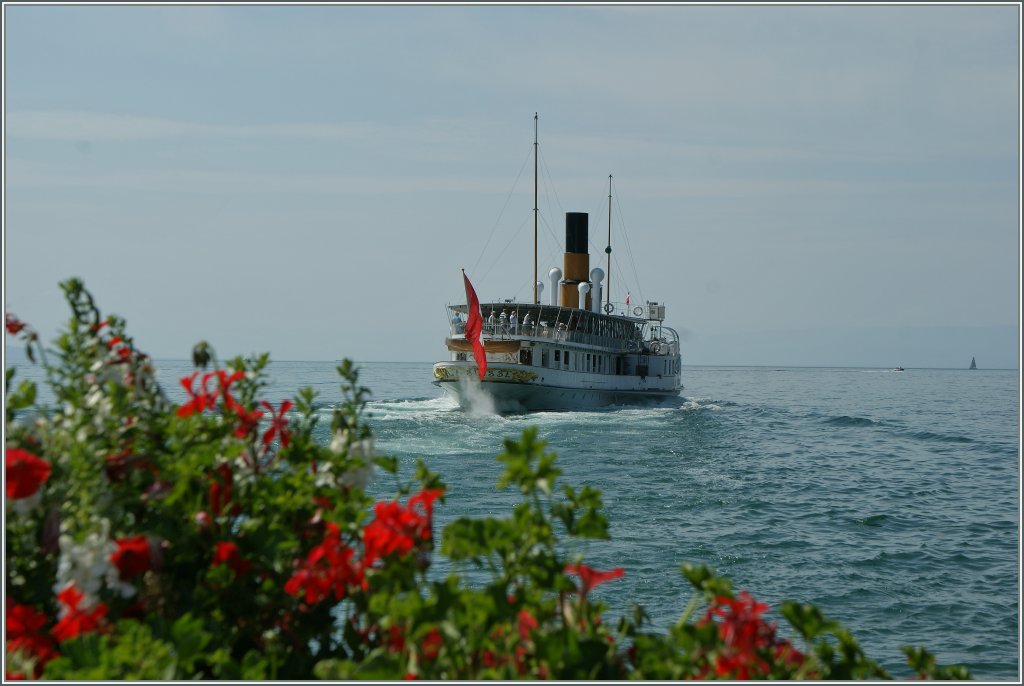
<point x="219" y="539"/>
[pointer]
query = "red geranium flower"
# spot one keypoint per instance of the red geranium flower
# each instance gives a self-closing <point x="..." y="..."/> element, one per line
<point x="395" y="640"/>
<point x="76" y="622"/>
<point x="225" y="382"/>
<point x="527" y="623"/>
<point x="247" y="421"/>
<point x="227" y="553"/>
<point x="22" y="620"/>
<point x="199" y="400"/>
<point x="743" y="634"/>
<point x="24" y="633"/>
<point x="25" y="473"/>
<point x="398" y="529"/>
<point x="13" y="324"/>
<point x="328" y="567"/>
<point x="220" y="489"/>
<point x="590" y="577"/>
<point x="425" y="500"/>
<point x="132" y="556"/>
<point x="432" y="643"/>
<point x="391" y="531"/>
<point x="278" y="423"/>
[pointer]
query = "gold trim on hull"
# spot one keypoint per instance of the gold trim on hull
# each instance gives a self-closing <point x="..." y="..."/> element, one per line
<point x="493" y="374"/>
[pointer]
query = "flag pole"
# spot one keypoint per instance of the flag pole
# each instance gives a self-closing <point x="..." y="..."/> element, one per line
<point x="608" y="250"/>
<point x="535" y="208"/>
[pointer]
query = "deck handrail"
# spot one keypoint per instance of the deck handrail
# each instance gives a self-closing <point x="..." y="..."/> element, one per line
<point x="563" y="329"/>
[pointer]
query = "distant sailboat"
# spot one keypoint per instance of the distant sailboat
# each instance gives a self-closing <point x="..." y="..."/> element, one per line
<point x="974" y="365"/>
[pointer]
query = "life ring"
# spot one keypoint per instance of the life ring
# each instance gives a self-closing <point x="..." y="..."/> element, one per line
<point x="638" y="310"/>
<point x="608" y="308"/>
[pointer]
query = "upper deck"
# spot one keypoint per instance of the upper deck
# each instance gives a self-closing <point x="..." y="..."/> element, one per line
<point x="613" y="333"/>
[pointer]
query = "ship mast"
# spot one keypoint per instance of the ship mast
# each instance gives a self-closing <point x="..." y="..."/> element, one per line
<point x="535" y="208"/>
<point x="608" y="250"/>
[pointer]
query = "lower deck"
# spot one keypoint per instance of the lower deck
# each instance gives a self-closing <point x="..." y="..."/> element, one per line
<point x="515" y="388"/>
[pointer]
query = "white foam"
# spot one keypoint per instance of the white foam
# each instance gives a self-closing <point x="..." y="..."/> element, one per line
<point x="699" y="404"/>
<point x="478" y="401"/>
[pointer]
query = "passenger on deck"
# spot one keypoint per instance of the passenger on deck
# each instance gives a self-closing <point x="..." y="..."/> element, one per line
<point x="513" y="321"/>
<point x="491" y="322"/>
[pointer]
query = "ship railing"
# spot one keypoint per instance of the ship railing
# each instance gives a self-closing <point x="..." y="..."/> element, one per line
<point x="543" y="333"/>
<point x="562" y="328"/>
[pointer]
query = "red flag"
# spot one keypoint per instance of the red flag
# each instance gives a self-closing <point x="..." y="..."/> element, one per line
<point x="627" y="297"/>
<point x="475" y="328"/>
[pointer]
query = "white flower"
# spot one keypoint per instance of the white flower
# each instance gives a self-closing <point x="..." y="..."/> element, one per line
<point x="87" y="565"/>
<point x="324" y="476"/>
<point x="338" y="442"/>
<point x="362" y="448"/>
<point x="355" y="477"/>
<point x="94" y="396"/>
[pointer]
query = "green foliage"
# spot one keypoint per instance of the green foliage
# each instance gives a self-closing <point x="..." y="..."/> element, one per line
<point x="219" y="539"/>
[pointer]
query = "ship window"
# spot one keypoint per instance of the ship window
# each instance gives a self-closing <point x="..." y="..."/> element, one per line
<point x="566" y="358"/>
<point x="558" y="354"/>
<point x="543" y="358"/>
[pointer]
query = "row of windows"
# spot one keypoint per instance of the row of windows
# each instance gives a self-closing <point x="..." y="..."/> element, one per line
<point x="587" y="362"/>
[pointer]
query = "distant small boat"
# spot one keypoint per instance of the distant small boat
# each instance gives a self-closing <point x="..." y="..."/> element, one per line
<point x="898" y="369"/>
<point x="974" y="365"/>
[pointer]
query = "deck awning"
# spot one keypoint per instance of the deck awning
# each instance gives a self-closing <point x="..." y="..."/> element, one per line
<point x="491" y="346"/>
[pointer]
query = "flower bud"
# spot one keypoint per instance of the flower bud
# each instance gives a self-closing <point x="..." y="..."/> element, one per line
<point x="201" y="354"/>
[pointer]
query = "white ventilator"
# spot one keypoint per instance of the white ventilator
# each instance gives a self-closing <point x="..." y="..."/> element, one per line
<point x="554" y="276"/>
<point x="583" y="288"/>
<point x="596" y="275"/>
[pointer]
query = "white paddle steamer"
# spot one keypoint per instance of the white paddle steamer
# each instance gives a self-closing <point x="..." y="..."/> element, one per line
<point x="575" y="352"/>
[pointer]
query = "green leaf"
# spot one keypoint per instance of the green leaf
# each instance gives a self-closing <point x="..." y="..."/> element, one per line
<point x="807" y="619"/>
<point x="190" y="639"/>
<point x="387" y="463"/>
<point x="703" y="579"/>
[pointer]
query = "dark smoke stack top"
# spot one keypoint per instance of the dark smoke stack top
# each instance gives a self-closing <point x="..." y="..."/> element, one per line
<point x="576" y="232"/>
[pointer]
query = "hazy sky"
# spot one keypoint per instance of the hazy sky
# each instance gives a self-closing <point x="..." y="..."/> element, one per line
<point x="310" y="180"/>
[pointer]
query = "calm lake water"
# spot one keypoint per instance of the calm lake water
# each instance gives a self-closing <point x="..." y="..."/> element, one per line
<point x="889" y="499"/>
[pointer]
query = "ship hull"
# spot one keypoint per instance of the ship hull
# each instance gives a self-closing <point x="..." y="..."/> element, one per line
<point x="510" y="389"/>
